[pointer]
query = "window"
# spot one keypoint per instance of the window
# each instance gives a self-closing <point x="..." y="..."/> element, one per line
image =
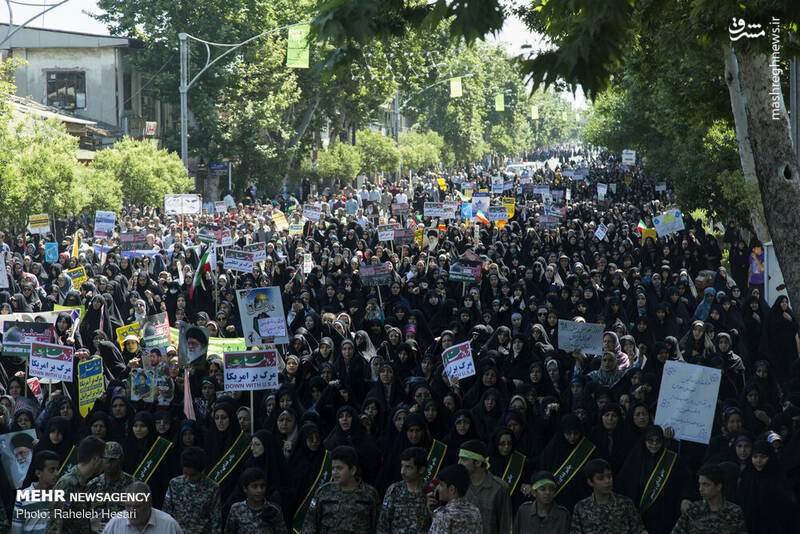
<point x="66" y="90"/>
<point x="127" y="91"/>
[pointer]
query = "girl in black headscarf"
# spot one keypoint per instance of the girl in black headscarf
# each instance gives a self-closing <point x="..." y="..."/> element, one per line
<point x="641" y="464"/>
<point x="223" y="431"/>
<point x="782" y="336"/>
<point x="57" y="437"/>
<point x="765" y="495"/>
<point x="96" y="318"/>
<point x="569" y="437"/>
<point x="306" y="461"/>
<point x="350" y="431"/>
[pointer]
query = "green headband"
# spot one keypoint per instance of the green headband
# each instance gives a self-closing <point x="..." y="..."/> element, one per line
<point x="464" y="453"/>
<point x="543" y="482"/>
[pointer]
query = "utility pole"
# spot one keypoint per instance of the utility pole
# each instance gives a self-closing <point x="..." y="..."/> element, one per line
<point x="183" y="89"/>
<point x="397" y="116"/>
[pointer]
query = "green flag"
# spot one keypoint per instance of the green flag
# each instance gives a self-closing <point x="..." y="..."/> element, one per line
<point x="297" y="51"/>
<point x="499" y="102"/>
<point x="455" y="87"/>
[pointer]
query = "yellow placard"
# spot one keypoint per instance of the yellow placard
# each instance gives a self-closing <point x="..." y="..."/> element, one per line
<point x="78" y="275"/>
<point x="39" y="222"/>
<point x="127" y="330"/>
<point x="649" y="232"/>
<point x="295" y="229"/>
<point x="418" y="234"/>
<point x="442" y="184"/>
<point x="90" y="383"/>
<point x="509" y="203"/>
<point x="281" y="223"/>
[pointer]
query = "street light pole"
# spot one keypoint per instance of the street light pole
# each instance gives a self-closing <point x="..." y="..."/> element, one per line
<point x="186" y="84"/>
<point x="397" y="116"/>
<point x="183" y="89"/>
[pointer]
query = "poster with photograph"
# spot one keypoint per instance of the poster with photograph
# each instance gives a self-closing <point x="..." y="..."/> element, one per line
<point x="16" y="453"/>
<point x="142" y="385"/>
<point x="260" y="303"/>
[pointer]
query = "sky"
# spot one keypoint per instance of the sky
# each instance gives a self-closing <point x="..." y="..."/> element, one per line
<point x="72" y="16"/>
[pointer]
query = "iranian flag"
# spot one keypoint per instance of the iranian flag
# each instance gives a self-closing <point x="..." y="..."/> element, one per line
<point x="481" y="217"/>
<point x="204" y="266"/>
<point x="641" y="225"/>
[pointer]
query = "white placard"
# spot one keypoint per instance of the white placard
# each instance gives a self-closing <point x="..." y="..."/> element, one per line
<point x="238" y="260"/>
<point x="251" y="370"/>
<point x="259" y="251"/>
<point x="687" y="400"/>
<point x="182" y="204"/>
<point x="272" y="326"/>
<point x="587" y="337"/>
<point x="669" y="222"/>
<point x="601" y="231"/>
<point x="458" y="362"/>
<point x="104" y="224"/>
<point x="311" y="213"/>
<point x="51" y="361"/>
<point x="3" y="272"/>
<point x="628" y="157"/>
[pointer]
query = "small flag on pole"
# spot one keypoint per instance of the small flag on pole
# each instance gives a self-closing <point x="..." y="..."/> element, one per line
<point x="297" y="49"/>
<point x="641" y="225"/>
<point x="455" y="87"/>
<point x="481" y="217"/>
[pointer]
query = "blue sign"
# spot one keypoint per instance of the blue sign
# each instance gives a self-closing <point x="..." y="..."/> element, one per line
<point x="51" y="252"/>
<point x="218" y="165"/>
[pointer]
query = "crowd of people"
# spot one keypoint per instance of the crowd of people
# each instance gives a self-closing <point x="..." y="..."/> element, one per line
<point x="366" y="433"/>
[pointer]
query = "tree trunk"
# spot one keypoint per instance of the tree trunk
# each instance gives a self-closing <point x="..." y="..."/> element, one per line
<point x="762" y="129"/>
<point x="738" y="98"/>
<point x="300" y="132"/>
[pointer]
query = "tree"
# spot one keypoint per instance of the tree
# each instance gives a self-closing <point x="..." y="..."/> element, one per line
<point x="341" y="162"/>
<point x="145" y="172"/>
<point x="378" y="152"/>
<point x="418" y="150"/>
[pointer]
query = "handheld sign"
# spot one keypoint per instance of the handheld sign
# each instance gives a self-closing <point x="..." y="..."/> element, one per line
<point x="687" y="400"/>
<point x="90" y="383"/>
<point x="251" y="370"/>
<point x="458" y="362"/>
<point x="586" y="337"/>
<point x="51" y="361"/>
<point x="669" y="222"/>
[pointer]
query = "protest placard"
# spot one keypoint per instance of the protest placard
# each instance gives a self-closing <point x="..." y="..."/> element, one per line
<point x="497" y="185"/>
<point x="669" y="222"/>
<point x="458" y="362"/>
<point x="51" y="252"/>
<point x="312" y="213"/>
<point x="296" y="229"/>
<point x="400" y="209"/>
<point x="272" y="326"/>
<point x="497" y="213"/>
<point x="90" y="383"/>
<point x="133" y="240"/>
<point x="39" y="224"/>
<point x="601" y="231"/>
<point x="259" y="251"/>
<point x="51" y="361"/>
<point x="220" y="207"/>
<point x="104" y="224"/>
<point x="541" y="189"/>
<point x="465" y="273"/>
<point x="251" y="370"/>
<point x="4" y="273"/>
<point x="36" y="388"/>
<point x="661" y="186"/>
<point x="155" y="334"/>
<point x="628" y="157"/>
<point x="255" y="304"/>
<point x="687" y="400"/>
<point x="602" y="189"/>
<point x="280" y="220"/>
<point x="133" y="329"/>
<point x="433" y="209"/>
<point x="143" y="385"/>
<point x="308" y="263"/>
<point x="18" y="336"/>
<point x="510" y="205"/>
<point x="376" y="275"/>
<point x="386" y="231"/>
<point x="586" y="337"/>
<point x="183" y="204"/>
<point x="404" y="236"/>
<point x="78" y="275"/>
<point x="238" y="260"/>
